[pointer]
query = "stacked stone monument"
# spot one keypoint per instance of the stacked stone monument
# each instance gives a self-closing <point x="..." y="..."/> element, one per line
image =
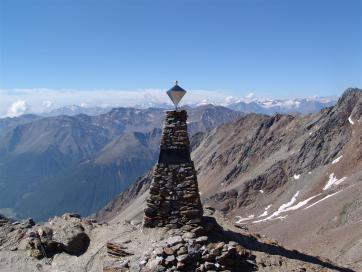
<point x="174" y="204"/>
<point x="174" y="199"/>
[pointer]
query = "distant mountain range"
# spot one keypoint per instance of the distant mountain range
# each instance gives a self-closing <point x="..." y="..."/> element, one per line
<point x="290" y="106"/>
<point x="75" y="110"/>
<point x="51" y="165"/>
<point x="246" y="105"/>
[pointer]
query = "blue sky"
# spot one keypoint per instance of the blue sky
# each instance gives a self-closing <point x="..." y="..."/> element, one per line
<point x="274" y="48"/>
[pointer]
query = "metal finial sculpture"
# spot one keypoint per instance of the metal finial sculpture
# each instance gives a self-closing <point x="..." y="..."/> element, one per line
<point x="176" y="93"/>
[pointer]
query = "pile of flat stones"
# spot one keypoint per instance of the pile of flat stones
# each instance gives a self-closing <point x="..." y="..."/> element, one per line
<point x="174" y="135"/>
<point x="174" y="199"/>
<point x="186" y="251"/>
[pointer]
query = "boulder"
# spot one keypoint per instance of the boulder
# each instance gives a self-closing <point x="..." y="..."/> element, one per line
<point x="73" y="239"/>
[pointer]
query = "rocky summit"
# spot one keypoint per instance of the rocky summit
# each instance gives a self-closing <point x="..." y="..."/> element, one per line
<point x="70" y="243"/>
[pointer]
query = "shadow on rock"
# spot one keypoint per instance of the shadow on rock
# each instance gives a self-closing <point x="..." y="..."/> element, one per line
<point x="67" y="234"/>
<point x="217" y="234"/>
<point x="78" y="245"/>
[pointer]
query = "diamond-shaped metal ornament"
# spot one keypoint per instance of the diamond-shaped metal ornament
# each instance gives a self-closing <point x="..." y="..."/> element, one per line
<point x="176" y="93"/>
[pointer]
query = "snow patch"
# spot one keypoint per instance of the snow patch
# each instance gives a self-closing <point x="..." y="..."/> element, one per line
<point x="333" y="181"/>
<point x="281" y="209"/>
<point x="261" y="191"/>
<point x="250" y="217"/>
<point x="350" y="120"/>
<point x="286" y="208"/>
<point x="265" y="213"/>
<point x="296" y="177"/>
<point x="300" y="204"/>
<point x="337" y="160"/>
<point x="324" y="198"/>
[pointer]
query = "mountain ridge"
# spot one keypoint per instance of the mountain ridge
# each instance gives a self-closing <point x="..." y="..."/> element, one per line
<point x="87" y="151"/>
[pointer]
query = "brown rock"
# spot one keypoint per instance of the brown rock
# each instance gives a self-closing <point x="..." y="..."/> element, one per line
<point x="168" y="250"/>
<point x="36" y="253"/>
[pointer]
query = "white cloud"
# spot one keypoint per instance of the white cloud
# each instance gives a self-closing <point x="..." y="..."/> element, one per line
<point x="17" y="108"/>
<point x="231" y="100"/>
<point x="47" y="104"/>
<point x="42" y="100"/>
<point x="204" y="102"/>
<point x="250" y="96"/>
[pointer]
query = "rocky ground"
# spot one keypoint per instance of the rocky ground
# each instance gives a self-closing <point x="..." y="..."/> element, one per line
<point x="69" y="243"/>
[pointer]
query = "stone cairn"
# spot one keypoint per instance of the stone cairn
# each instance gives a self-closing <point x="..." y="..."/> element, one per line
<point x="174" y="199"/>
<point x="174" y="205"/>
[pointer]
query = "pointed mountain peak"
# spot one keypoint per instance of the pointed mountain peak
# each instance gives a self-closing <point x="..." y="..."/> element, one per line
<point x="350" y="94"/>
<point x="350" y="101"/>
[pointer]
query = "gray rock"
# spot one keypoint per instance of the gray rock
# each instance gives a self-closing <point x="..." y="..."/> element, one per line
<point x="182" y="258"/>
<point x="182" y="250"/>
<point x="159" y="251"/>
<point x="202" y="239"/>
<point x="188" y="235"/>
<point x="73" y="239"/>
<point x="45" y="233"/>
<point x="174" y="240"/>
<point x="170" y="259"/>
